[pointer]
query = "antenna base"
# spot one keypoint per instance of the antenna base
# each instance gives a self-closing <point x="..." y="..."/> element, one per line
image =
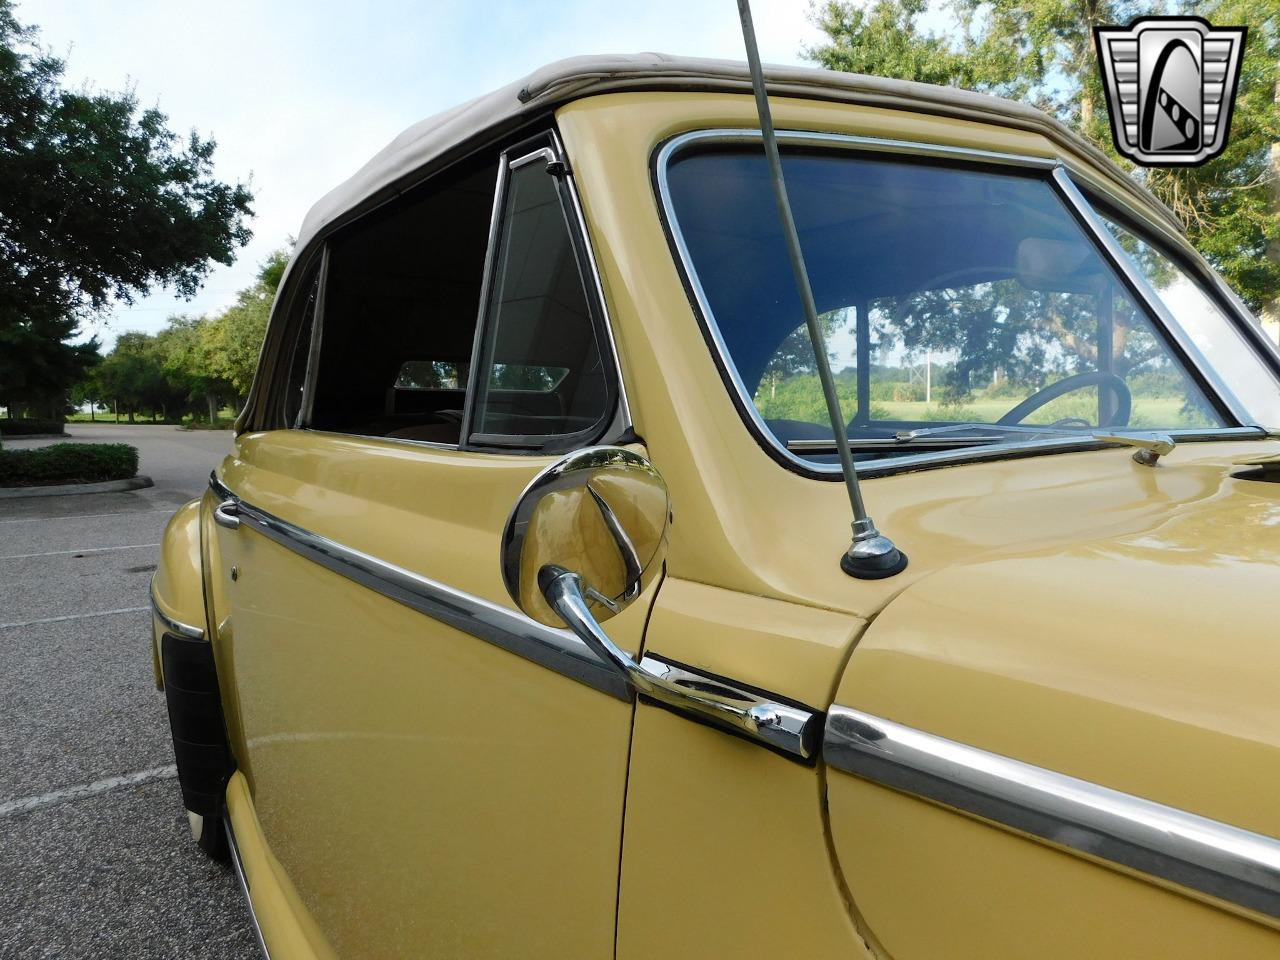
<point x="871" y="556"/>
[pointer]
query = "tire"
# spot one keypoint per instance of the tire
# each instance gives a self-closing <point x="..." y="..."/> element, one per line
<point x="199" y="731"/>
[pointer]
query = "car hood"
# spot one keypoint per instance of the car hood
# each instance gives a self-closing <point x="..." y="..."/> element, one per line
<point x="1145" y="657"/>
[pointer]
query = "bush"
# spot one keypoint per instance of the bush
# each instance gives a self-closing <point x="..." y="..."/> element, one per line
<point x="25" y="428"/>
<point x="222" y="423"/>
<point x="68" y="463"/>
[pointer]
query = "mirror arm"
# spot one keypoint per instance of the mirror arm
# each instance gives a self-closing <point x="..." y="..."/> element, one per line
<point x="567" y="595"/>
<point x="790" y="729"/>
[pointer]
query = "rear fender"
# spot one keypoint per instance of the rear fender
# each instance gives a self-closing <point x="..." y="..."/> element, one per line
<point x="177" y="589"/>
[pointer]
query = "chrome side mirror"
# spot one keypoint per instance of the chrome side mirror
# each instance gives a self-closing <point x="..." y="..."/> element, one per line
<point x="595" y="523"/>
<point x="586" y="537"/>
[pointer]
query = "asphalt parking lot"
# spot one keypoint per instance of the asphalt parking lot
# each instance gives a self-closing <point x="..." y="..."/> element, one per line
<point x="95" y="856"/>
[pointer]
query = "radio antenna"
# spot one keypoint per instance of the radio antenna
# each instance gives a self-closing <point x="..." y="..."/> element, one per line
<point x="871" y="556"/>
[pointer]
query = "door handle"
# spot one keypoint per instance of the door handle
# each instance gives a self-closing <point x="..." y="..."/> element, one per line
<point x="227" y="514"/>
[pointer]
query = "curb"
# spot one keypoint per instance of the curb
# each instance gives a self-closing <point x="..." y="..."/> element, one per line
<point x="12" y="437"/>
<point x="71" y="489"/>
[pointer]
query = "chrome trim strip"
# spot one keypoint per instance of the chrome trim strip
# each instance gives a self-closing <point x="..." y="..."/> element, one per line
<point x="170" y="624"/>
<point x="1151" y="300"/>
<point x="306" y="408"/>
<point x="557" y="650"/>
<point x="244" y="884"/>
<point x="1172" y="845"/>
<point x="908" y="461"/>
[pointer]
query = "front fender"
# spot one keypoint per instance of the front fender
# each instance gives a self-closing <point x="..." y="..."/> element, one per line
<point x="177" y="588"/>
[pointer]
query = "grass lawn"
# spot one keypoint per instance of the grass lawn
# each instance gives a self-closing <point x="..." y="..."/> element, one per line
<point x="226" y="413"/>
<point x="1147" y="411"/>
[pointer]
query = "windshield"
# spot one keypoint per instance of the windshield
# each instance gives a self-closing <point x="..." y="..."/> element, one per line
<point x="949" y="296"/>
<point x="1208" y="326"/>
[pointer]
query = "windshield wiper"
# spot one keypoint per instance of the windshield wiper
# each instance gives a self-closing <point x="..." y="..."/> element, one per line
<point x="946" y="437"/>
<point x="1001" y="429"/>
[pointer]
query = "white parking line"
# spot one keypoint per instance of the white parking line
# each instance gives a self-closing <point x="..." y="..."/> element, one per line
<point x="58" y="553"/>
<point x="73" y="616"/>
<point x="83" y="516"/>
<point x="79" y="792"/>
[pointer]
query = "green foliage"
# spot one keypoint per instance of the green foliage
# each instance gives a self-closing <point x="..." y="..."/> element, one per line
<point x="28" y="428"/>
<point x="194" y="363"/>
<point x="1042" y="51"/>
<point x="230" y="342"/>
<point x="99" y="202"/>
<point x="68" y="463"/>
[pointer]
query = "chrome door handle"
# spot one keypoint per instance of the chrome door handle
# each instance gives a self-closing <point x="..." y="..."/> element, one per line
<point x="227" y="514"/>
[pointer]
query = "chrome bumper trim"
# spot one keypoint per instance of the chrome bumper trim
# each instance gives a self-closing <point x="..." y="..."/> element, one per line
<point x="557" y="650"/>
<point x="1150" y="838"/>
<point x="244" y="884"/>
<point x="170" y="624"/>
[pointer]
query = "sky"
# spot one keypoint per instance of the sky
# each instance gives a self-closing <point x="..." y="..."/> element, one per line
<point x="299" y="94"/>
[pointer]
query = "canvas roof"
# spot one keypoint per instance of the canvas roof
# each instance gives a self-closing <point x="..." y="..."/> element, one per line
<point x="505" y="109"/>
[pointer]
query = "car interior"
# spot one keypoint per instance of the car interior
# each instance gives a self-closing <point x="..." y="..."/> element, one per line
<point x="400" y="315"/>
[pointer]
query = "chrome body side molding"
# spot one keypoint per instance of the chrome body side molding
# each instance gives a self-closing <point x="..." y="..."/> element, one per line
<point x="1165" y="843"/>
<point x="791" y="729"/>
<point x="176" y="627"/>
<point x="244" y="885"/>
<point x="557" y="650"/>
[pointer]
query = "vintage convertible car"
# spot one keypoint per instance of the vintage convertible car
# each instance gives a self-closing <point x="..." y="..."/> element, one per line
<point x="516" y="625"/>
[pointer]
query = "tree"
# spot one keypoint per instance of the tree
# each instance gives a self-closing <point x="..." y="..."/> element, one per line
<point x="233" y="340"/>
<point x="129" y="375"/>
<point x="188" y="365"/>
<point x="99" y="202"/>
<point x="1042" y="51"/>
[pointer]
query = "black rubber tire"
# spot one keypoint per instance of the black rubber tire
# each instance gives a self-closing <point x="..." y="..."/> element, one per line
<point x="213" y="839"/>
<point x="199" y="731"/>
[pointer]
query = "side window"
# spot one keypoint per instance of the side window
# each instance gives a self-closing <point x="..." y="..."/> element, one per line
<point x="540" y="382"/>
<point x="299" y="352"/>
<point x="399" y="311"/>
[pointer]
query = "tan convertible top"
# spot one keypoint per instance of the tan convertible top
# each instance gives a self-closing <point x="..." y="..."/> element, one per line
<point x="457" y="131"/>
<point x="558" y="83"/>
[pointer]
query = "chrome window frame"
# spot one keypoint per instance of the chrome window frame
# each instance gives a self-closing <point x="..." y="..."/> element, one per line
<point x="616" y="420"/>
<point x="1063" y="186"/>
<point x="618" y="424"/>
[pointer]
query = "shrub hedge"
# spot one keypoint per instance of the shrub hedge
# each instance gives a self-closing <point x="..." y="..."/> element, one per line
<point x="25" y="428"/>
<point x="68" y="463"/>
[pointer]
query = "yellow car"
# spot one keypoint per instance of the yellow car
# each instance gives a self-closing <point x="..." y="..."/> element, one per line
<point x="517" y="625"/>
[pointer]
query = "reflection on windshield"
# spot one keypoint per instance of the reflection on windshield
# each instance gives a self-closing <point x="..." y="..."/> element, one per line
<point x="948" y="296"/>
<point x="1213" y="334"/>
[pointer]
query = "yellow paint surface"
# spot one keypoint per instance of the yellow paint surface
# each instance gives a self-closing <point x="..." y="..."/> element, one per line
<point x="424" y="791"/>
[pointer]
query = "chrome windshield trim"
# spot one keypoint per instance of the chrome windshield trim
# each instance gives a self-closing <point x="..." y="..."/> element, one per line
<point x="168" y="623"/>
<point x="557" y="650"/>
<point x="243" y="882"/>
<point x="1168" y="844"/>
<point x="907" y="461"/>
<point x="1120" y="260"/>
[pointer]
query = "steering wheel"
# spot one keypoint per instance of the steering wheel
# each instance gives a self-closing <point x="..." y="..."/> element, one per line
<point x="1078" y="381"/>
